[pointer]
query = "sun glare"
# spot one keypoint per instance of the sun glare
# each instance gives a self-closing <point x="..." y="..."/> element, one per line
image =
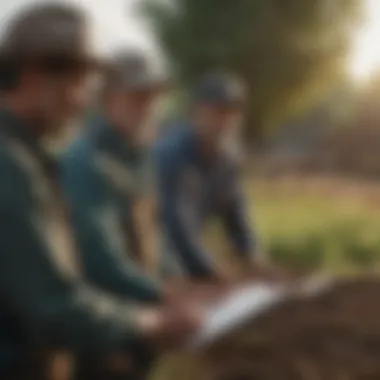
<point x="365" y="57"/>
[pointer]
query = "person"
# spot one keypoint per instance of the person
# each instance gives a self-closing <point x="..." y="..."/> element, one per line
<point x="197" y="177"/>
<point x="104" y="174"/>
<point x="48" y="310"/>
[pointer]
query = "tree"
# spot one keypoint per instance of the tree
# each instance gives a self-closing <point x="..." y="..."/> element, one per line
<point x="289" y="51"/>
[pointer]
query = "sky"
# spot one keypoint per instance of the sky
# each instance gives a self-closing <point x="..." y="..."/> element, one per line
<point x="365" y="53"/>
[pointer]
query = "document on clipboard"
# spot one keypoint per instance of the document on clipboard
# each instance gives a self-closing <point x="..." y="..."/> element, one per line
<point x="247" y="302"/>
<point x="238" y="307"/>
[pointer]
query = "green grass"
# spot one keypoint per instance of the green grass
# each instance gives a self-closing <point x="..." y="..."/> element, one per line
<point x="314" y="231"/>
<point x="304" y="230"/>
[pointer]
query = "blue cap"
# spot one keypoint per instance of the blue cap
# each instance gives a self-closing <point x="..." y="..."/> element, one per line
<point x="220" y="88"/>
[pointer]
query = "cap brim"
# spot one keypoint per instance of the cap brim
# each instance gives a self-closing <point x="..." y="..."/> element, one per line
<point x="84" y="61"/>
<point x="92" y="63"/>
<point x="222" y="102"/>
<point x="148" y="84"/>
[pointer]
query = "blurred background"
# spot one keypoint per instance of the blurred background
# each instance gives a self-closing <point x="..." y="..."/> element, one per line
<point x="312" y="134"/>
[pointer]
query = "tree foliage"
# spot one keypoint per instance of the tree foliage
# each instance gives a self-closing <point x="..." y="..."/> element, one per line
<point x="289" y="51"/>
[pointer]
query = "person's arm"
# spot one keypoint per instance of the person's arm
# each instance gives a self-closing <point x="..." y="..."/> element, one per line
<point x="238" y="224"/>
<point x="52" y="305"/>
<point x="179" y="224"/>
<point x="144" y="215"/>
<point x="101" y="238"/>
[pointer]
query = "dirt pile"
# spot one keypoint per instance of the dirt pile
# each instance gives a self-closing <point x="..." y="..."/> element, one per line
<point x="334" y="335"/>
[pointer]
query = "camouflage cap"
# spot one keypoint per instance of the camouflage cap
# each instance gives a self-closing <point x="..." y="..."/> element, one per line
<point x="49" y="30"/>
<point x="220" y="87"/>
<point x="132" y="70"/>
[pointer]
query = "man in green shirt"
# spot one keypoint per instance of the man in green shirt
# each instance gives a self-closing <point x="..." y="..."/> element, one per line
<point x="46" y="305"/>
<point x="105" y="177"/>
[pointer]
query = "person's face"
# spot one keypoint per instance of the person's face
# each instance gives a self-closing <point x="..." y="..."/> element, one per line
<point x="132" y="110"/>
<point x="58" y="98"/>
<point x="217" y="122"/>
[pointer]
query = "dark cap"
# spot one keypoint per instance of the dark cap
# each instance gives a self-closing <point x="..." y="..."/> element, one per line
<point x="48" y="31"/>
<point x="132" y="70"/>
<point x="219" y="87"/>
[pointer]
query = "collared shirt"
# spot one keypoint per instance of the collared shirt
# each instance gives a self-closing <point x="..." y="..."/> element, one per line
<point x="191" y="190"/>
<point x="101" y="175"/>
<point x="41" y="286"/>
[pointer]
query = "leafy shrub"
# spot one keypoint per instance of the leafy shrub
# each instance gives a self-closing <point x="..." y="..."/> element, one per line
<point x="302" y="253"/>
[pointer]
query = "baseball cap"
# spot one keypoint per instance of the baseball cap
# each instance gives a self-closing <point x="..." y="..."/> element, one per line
<point x="220" y="87"/>
<point x="49" y="31"/>
<point x="132" y="70"/>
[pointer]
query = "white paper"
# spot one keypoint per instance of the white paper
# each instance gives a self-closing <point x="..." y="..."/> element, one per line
<point x="238" y="307"/>
<point x="249" y="302"/>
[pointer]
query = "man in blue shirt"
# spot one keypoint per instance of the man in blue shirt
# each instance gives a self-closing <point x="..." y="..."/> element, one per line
<point x="198" y="177"/>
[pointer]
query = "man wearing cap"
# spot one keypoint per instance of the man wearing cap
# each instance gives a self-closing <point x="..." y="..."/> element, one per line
<point x="46" y="305"/>
<point x="198" y="177"/>
<point x="105" y="178"/>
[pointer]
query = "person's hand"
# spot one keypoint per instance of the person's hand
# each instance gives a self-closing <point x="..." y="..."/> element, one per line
<point x="267" y="272"/>
<point x="201" y="291"/>
<point x="225" y="277"/>
<point x="175" y="289"/>
<point x="119" y="364"/>
<point x="170" y="326"/>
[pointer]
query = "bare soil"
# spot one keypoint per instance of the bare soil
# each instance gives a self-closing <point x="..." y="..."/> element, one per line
<point x="334" y="335"/>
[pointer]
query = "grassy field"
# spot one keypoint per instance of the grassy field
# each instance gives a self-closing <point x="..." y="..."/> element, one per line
<point x="309" y="227"/>
<point x="329" y="226"/>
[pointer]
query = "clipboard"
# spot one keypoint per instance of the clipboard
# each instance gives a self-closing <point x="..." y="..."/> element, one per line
<point x="248" y="302"/>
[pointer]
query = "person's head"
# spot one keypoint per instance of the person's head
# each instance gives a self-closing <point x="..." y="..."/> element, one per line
<point x="218" y="106"/>
<point x="129" y="93"/>
<point x="45" y="65"/>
